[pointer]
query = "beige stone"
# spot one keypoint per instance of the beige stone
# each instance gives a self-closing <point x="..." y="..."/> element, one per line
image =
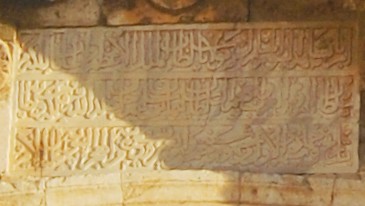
<point x="349" y="192"/>
<point x="184" y="203"/>
<point x="5" y="70"/>
<point x="84" y="180"/>
<point x="201" y="96"/>
<point x="84" y="190"/>
<point x="85" y="195"/>
<point x="15" y="191"/>
<point x="5" y="86"/>
<point x="162" y="11"/>
<point x="31" y="199"/>
<point x="4" y="135"/>
<point x="178" y="187"/>
<point x="7" y="32"/>
<point x="262" y="189"/>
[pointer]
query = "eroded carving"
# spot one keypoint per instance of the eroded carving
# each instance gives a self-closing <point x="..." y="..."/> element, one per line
<point x="216" y="96"/>
<point x="175" y="4"/>
<point x="5" y="65"/>
<point x="65" y="150"/>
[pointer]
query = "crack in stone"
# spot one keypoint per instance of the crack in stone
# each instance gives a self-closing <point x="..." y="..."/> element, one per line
<point x="249" y="3"/>
<point x="333" y="191"/>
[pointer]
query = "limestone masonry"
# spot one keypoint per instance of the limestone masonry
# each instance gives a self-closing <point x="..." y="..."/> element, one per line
<point x="262" y="97"/>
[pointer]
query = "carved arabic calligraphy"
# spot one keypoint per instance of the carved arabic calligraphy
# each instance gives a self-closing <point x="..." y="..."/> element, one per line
<point x="216" y="96"/>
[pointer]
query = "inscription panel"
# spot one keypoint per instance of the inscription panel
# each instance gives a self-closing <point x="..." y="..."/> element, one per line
<point x="260" y="97"/>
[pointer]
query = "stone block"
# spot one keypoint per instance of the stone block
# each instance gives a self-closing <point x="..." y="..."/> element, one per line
<point x="177" y="187"/>
<point x="264" y="189"/>
<point x="182" y="204"/>
<point x="6" y="56"/>
<point x="5" y="86"/>
<point x="349" y="192"/>
<point x="7" y="32"/>
<point x="15" y="191"/>
<point x="5" y="135"/>
<point x="85" y="195"/>
<point x="84" y="190"/>
<point x="299" y="10"/>
<point x="63" y="13"/>
<point x="31" y="199"/>
<point x="358" y="5"/>
<point x="84" y="180"/>
<point x="258" y="97"/>
<point x="127" y="12"/>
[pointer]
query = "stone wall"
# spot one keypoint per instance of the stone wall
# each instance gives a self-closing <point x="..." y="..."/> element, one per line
<point x="189" y="187"/>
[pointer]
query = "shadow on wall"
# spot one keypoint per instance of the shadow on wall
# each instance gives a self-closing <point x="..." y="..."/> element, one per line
<point x="16" y="12"/>
<point x="169" y="97"/>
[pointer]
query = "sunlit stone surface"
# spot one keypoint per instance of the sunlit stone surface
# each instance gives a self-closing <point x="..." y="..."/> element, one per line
<point x="249" y="97"/>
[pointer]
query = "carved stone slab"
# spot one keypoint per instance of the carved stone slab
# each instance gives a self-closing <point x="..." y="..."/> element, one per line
<point x="280" y="97"/>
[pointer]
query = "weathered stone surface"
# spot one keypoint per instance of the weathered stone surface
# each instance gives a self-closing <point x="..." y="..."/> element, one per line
<point x="174" y="5"/>
<point x="5" y="84"/>
<point x="182" y="204"/>
<point x="31" y="199"/>
<point x="7" y="32"/>
<point x="262" y="189"/>
<point x="349" y="192"/>
<point x="354" y="4"/>
<point x="267" y="97"/>
<point x="196" y="188"/>
<point x="58" y="14"/>
<point x="176" y="187"/>
<point x="4" y="136"/>
<point x="5" y="69"/>
<point x="128" y="12"/>
<point x="21" y="192"/>
<point x="299" y="10"/>
<point x="85" y="195"/>
<point x="85" y="190"/>
<point x="84" y="180"/>
<point x="362" y="48"/>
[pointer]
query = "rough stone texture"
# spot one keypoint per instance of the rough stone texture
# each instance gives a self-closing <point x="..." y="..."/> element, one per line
<point x="196" y="188"/>
<point x="5" y="68"/>
<point x="299" y="10"/>
<point x="5" y="109"/>
<point x="128" y="12"/>
<point x="175" y="4"/>
<point x="187" y="97"/>
<point x="7" y="32"/>
<point x="7" y="35"/>
<point x="60" y="14"/>
<point x="85" y="190"/>
<point x="262" y="189"/>
<point x="174" y="187"/>
<point x="85" y="195"/>
<point x="18" y="198"/>
<point x="349" y="192"/>
<point x="354" y="4"/>
<point x="21" y="192"/>
<point x="362" y="70"/>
